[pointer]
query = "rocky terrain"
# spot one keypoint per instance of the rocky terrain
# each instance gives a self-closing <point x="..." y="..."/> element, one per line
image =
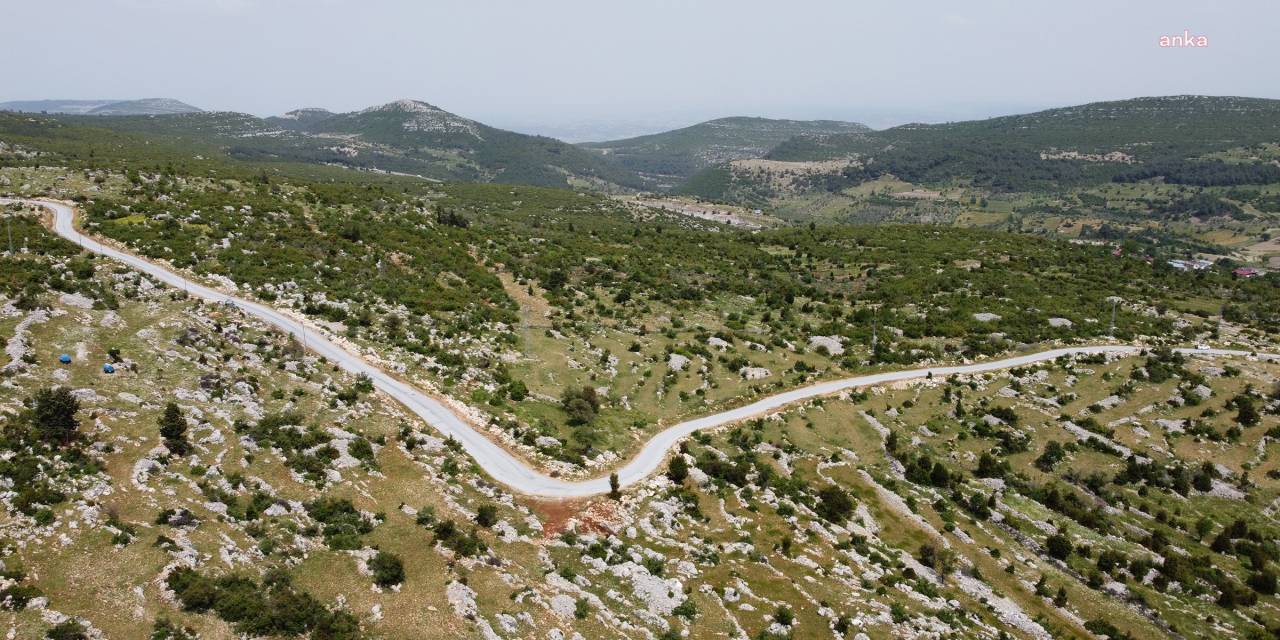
<point x="186" y="472"/>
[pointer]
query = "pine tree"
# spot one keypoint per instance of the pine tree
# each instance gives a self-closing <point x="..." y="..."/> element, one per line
<point x="173" y="428"/>
<point x="678" y="470"/>
<point x="54" y="415"/>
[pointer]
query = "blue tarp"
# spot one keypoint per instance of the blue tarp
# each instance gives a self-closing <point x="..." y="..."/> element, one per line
<point x="106" y="368"/>
<point x="64" y="359"/>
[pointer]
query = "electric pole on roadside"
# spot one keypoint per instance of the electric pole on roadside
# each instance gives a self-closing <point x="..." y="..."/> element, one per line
<point x="1115" y="303"/>
<point x="8" y="228"/>
<point x="875" y="325"/>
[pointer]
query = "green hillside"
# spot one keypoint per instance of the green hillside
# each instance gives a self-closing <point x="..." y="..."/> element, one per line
<point x="472" y="150"/>
<point x="672" y="156"/>
<point x="1148" y="136"/>
<point x="401" y="137"/>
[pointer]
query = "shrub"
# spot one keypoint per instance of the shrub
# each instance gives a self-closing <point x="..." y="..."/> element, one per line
<point x="272" y="608"/>
<point x="67" y="630"/>
<point x="834" y="504"/>
<point x="487" y="515"/>
<point x="343" y="524"/>
<point x="1058" y="546"/>
<point x="164" y="629"/>
<point x="784" y="616"/>
<point x="388" y="569"/>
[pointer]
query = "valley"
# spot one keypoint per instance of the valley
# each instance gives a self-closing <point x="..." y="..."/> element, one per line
<point x="396" y="373"/>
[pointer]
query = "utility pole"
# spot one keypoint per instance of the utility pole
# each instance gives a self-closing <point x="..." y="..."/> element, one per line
<point x="1114" y="302"/>
<point x="875" y="326"/>
<point x="8" y="227"/>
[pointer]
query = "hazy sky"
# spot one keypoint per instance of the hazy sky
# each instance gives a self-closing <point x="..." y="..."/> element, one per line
<point x="552" y="65"/>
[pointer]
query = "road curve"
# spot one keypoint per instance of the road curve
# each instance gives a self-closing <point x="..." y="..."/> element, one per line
<point x="501" y="464"/>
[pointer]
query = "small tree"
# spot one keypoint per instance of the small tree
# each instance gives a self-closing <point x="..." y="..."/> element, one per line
<point x="678" y="469"/>
<point x="173" y="428"/>
<point x="834" y="504"/>
<point x="1058" y="546"/>
<point x="581" y="405"/>
<point x="1248" y="413"/>
<point x="487" y="515"/>
<point x="940" y="559"/>
<point x="615" y="491"/>
<point x="54" y="415"/>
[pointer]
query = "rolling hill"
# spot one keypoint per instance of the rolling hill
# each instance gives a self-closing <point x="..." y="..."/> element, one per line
<point x="1167" y="137"/>
<point x="1058" y="146"/>
<point x="670" y="157"/>
<point x="469" y="150"/>
<point x="406" y="137"/>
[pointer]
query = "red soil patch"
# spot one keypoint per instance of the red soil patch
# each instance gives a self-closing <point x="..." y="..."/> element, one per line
<point x="601" y="516"/>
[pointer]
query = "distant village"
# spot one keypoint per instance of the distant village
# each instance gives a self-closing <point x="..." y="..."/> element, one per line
<point x="1201" y="264"/>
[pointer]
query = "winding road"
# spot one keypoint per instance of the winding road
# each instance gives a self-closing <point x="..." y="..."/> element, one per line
<point x="501" y="464"/>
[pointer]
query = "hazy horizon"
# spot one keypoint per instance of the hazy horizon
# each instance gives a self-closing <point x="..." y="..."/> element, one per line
<point x="579" y="70"/>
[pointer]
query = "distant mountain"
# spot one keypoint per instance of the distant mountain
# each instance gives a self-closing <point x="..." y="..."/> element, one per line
<point x="460" y="148"/>
<point x="405" y="136"/>
<point x="78" y="107"/>
<point x="299" y="119"/>
<point x="145" y="106"/>
<point x="672" y="156"/>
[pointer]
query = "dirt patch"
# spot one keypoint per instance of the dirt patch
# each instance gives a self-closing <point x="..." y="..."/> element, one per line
<point x="918" y="194"/>
<point x="1266" y="250"/>
<point x="534" y="308"/>
<point x="783" y="175"/>
<point x="722" y="213"/>
<point x="600" y="516"/>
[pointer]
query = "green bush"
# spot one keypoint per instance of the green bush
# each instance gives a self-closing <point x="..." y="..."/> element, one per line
<point x="388" y="569"/>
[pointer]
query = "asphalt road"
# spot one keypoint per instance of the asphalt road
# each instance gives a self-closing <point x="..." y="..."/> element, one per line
<point x="502" y="465"/>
